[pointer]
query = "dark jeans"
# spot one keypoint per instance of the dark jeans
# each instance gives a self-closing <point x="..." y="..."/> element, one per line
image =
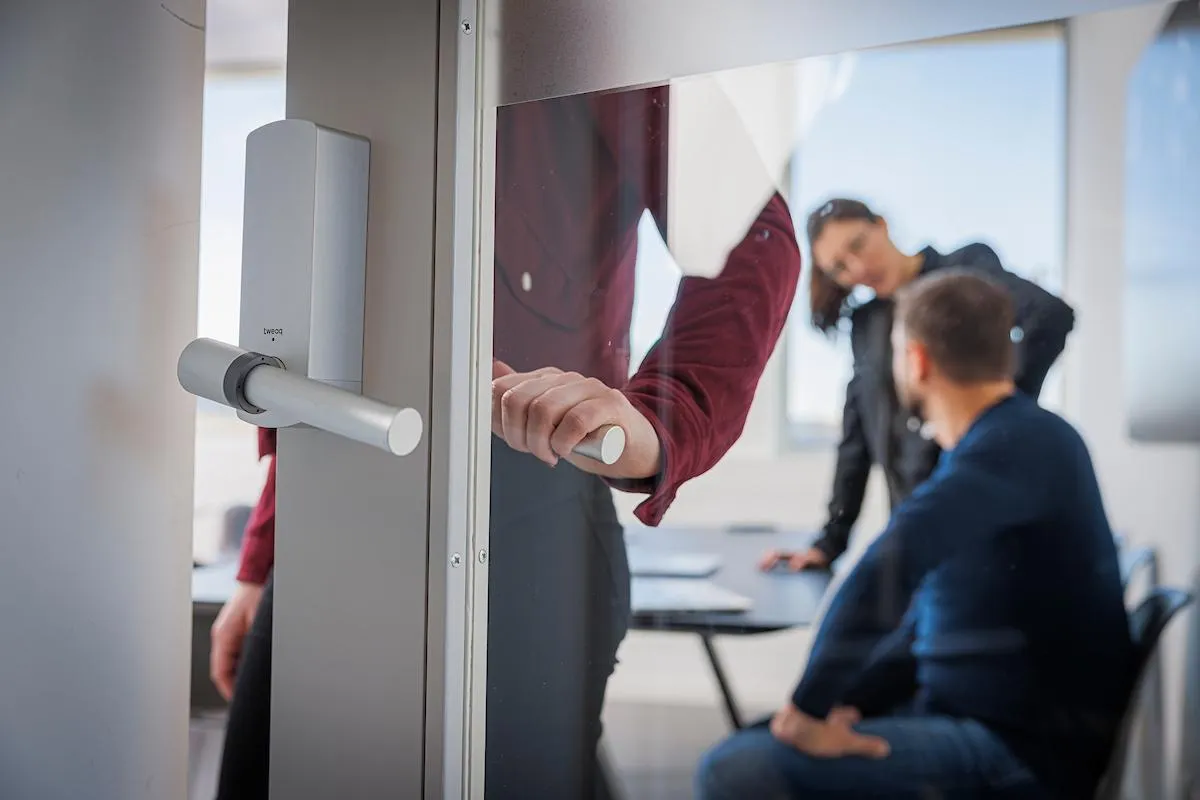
<point x="558" y="607"/>
<point x="932" y="758"/>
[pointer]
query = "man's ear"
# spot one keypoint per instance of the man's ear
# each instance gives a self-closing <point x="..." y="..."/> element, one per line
<point x="919" y="364"/>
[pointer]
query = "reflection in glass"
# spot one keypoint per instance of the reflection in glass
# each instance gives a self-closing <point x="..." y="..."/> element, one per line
<point x="647" y="258"/>
<point x="575" y="179"/>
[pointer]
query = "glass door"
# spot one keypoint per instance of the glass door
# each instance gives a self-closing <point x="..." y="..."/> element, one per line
<point x="650" y="178"/>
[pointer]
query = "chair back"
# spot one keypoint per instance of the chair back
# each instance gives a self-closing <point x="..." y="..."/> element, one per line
<point x="1146" y="624"/>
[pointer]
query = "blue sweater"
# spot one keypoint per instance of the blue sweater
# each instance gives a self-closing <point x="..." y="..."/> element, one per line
<point x="994" y="594"/>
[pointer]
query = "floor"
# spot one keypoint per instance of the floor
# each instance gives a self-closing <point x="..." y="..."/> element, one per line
<point x="663" y="710"/>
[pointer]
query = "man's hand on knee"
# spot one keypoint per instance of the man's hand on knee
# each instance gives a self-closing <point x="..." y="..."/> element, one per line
<point x="833" y="737"/>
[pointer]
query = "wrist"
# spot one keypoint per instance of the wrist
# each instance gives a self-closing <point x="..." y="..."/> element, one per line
<point x="644" y="456"/>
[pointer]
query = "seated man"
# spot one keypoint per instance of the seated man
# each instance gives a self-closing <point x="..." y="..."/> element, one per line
<point x="981" y="646"/>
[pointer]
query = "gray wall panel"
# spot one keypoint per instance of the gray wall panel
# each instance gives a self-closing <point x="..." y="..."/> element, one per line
<point x="99" y="210"/>
<point x="352" y="538"/>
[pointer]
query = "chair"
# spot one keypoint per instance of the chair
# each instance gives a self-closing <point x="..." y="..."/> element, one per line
<point x="1146" y="624"/>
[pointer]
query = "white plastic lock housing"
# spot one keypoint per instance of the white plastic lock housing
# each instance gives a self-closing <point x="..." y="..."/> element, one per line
<point x="304" y="254"/>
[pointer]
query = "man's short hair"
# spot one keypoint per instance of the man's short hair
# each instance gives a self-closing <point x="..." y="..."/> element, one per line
<point x="965" y="322"/>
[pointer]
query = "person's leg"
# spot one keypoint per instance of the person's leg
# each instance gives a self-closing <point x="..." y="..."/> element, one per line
<point x="557" y="609"/>
<point x="608" y="623"/>
<point x="246" y="757"/>
<point x="932" y="758"/>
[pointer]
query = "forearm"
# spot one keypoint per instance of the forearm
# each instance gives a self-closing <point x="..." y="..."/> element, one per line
<point x="849" y="489"/>
<point x="868" y="606"/>
<point x="695" y="387"/>
<point x="890" y="676"/>
<point x="850" y="477"/>
<point x="844" y="643"/>
<point x="258" y="540"/>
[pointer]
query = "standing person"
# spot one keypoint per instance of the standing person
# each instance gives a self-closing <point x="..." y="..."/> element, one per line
<point x="851" y="248"/>
<point x="573" y="178"/>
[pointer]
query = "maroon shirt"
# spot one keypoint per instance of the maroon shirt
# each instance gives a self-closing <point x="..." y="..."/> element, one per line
<point x="573" y="177"/>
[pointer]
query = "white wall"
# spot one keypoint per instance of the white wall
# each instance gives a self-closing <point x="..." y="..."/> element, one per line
<point x="1152" y="492"/>
<point x="99" y="203"/>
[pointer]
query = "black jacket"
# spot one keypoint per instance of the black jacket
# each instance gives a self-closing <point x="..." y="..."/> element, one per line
<point x="875" y="430"/>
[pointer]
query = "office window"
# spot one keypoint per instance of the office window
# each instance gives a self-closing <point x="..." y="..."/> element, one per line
<point x="1162" y="202"/>
<point x="228" y="473"/>
<point x="953" y="141"/>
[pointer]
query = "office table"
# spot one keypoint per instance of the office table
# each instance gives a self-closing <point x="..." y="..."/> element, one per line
<point x="781" y="601"/>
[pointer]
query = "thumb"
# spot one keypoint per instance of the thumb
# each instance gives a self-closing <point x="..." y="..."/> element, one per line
<point x="500" y="369"/>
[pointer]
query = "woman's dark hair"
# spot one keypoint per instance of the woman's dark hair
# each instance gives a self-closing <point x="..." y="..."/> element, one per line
<point x="827" y="299"/>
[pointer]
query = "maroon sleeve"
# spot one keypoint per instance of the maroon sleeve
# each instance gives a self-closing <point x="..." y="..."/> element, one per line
<point x="258" y="542"/>
<point x="633" y="126"/>
<point x="696" y="385"/>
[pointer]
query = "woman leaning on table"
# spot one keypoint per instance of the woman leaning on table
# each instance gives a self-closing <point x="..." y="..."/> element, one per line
<point x="851" y="248"/>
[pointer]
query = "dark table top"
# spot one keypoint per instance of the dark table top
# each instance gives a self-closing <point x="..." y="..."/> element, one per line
<point x="781" y="600"/>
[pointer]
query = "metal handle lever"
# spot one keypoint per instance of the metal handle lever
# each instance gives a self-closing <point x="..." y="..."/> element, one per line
<point x="253" y="383"/>
<point x="605" y="444"/>
<point x="396" y="430"/>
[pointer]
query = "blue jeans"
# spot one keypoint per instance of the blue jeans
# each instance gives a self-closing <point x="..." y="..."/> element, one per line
<point x="932" y="758"/>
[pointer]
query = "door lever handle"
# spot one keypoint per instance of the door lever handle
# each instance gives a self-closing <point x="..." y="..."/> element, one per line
<point x="605" y="444"/>
<point x="253" y="383"/>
